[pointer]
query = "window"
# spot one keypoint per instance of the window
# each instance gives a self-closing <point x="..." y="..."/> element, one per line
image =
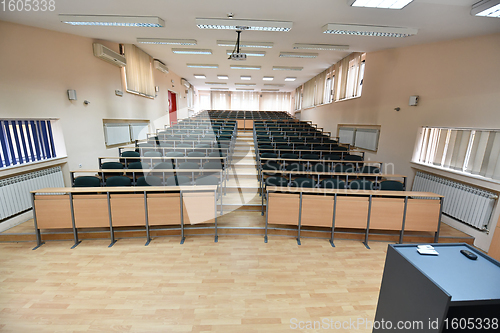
<point x="351" y="73"/>
<point x="25" y="141"/>
<point x="298" y="98"/>
<point x="473" y="151"/>
<point x="122" y="131"/>
<point x="360" y="136"/>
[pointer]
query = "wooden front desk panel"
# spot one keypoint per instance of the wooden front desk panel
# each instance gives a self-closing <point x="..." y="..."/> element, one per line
<point x="352" y="212"/>
<point x="241" y="123"/>
<point x="199" y="207"/>
<point x="317" y="210"/>
<point x="164" y="208"/>
<point x="53" y="211"/>
<point x="387" y="213"/>
<point x="422" y="215"/>
<point x="128" y="210"/>
<point x="91" y="210"/>
<point x="283" y="209"/>
<point x="248" y="124"/>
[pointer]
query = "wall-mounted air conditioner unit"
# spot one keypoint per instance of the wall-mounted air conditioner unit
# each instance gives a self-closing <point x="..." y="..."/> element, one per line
<point x="185" y="83"/>
<point x="160" y="66"/>
<point x="103" y="53"/>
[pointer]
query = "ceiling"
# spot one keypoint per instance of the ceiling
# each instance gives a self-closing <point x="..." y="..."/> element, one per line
<point x="436" y="20"/>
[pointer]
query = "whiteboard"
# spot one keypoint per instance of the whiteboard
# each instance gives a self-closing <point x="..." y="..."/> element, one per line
<point x="346" y="135"/>
<point x="139" y="131"/>
<point x="367" y="138"/>
<point x="116" y="134"/>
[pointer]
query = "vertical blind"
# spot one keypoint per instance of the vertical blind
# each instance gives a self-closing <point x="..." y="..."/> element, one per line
<point x="139" y="71"/>
<point x="25" y="141"/>
<point x="244" y="100"/>
<point x="474" y="151"/>
<point x="342" y="80"/>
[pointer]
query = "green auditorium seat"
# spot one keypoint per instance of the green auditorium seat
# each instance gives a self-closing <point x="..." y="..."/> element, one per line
<point x="196" y="154"/>
<point x="319" y="168"/>
<point x="344" y="168"/>
<point x="188" y="165"/>
<point x="163" y="166"/>
<point x="271" y="165"/>
<point x="294" y="167"/>
<point x="290" y="155"/>
<point x="370" y="169"/>
<point x="217" y="153"/>
<point x="269" y="155"/>
<point x="138" y="165"/>
<point x="130" y="153"/>
<point x="303" y="182"/>
<point x="332" y="183"/>
<point x="111" y="165"/>
<point x="391" y="185"/>
<point x="152" y="154"/>
<point x="118" y="181"/>
<point x="87" y="181"/>
<point x="212" y="165"/>
<point x="149" y="181"/>
<point x="184" y="145"/>
<point x="310" y="156"/>
<point x="207" y="180"/>
<point x="174" y="154"/>
<point x="276" y="181"/>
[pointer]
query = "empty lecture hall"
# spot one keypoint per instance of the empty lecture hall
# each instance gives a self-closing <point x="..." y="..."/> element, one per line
<point x="222" y="166"/>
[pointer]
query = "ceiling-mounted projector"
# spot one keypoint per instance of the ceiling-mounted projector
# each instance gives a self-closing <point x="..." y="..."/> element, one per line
<point x="236" y="55"/>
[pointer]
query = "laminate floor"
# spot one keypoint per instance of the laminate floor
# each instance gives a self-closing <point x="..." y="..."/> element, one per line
<point x="236" y="285"/>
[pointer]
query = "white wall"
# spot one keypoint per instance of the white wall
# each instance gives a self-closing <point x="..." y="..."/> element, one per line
<point x="458" y="83"/>
<point x="38" y="66"/>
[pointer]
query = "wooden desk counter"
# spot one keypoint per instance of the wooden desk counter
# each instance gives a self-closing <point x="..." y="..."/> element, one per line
<point x="357" y="209"/>
<point x="109" y="207"/>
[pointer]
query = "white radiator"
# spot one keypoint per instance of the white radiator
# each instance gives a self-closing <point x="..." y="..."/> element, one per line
<point x="465" y="203"/>
<point x="15" y="191"/>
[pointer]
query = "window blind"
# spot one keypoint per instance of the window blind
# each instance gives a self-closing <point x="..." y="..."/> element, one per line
<point x="139" y="71"/>
<point x="116" y="134"/>
<point x="25" y="141"/>
<point x="367" y="138"/>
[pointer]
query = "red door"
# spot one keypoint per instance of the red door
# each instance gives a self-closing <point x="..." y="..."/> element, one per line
<point x="172" y="107"/>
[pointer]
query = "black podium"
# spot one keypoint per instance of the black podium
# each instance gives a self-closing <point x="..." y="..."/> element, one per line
<point x="443" y="293"/>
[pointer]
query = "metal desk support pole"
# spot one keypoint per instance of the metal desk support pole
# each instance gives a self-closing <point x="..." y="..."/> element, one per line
<point x="183" y="238"/>
<point x="75" y="231"/>
<point x="300" y="218"/>
<point x="368" y="222"/>
<point x="37" y="231"/>
<point x="333" y="218"/>
<point x="436" y="237"/>
<point x="113" y="240"/>
<point x="267" y="216"/>
<point x="263" y="185"/>
<point x="215" y="203"/>
<point x="401" y="234"/>
<point x="146" y="213"/>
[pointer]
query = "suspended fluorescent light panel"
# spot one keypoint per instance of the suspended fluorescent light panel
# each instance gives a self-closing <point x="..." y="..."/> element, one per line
<point x="200" y="76"/>
<point x="486" y="8"/>
<point x="244" y="67"/>
<point x="284" y="68"/>
<point x="192" y="51"/>
<point x="321" y="47"/>
<point x="249" y="53"/>
<point x="386" y="4"/>
<point x="202" y="66"/>
<point x="368" y="30"/>
<point x="235" y="24"/>
<point x="113" y="20"/>
<point x="231" y="43"/>
<point x="297" y="55"/>
<point x="166" y="41"/>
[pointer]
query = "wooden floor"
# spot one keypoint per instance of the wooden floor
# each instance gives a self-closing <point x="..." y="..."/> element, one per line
<point x="236" y="285"/>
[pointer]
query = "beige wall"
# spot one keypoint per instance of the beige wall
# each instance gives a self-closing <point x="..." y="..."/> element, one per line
<point x="38" y="66"/>
<point x="458" y="83"/>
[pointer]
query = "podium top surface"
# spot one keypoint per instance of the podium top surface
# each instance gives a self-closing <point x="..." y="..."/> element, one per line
<point x="463" y="279"/>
